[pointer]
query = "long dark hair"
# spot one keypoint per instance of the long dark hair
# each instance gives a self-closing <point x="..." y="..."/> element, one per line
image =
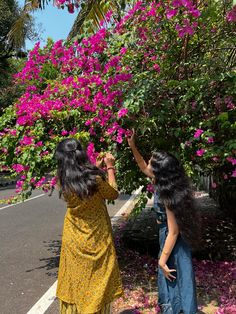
<point x="75" y="173"/>
<point x="175" y="192"/>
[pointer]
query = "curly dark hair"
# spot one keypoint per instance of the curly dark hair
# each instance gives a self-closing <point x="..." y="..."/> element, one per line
<point x="175" y="192"/>
<point x="75" y="173"/>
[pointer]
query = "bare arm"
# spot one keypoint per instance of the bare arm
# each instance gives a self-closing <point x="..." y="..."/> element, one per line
<point x="110" y="163"/>
<point x="173" y="232"/>
<point x="108" y="189"/>
<point x="143" y="166"/>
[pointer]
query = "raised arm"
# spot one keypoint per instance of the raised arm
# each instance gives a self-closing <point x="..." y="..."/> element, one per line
<point x="109" y="161"/>
<point x="108" y="189"/>
<point x="143" y="166"/>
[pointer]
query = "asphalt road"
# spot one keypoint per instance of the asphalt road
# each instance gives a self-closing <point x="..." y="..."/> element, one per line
<point x="30" y="238"/>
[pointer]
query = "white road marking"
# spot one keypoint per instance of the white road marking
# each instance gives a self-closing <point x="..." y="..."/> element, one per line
<point x="43" y="304"/>
<point x="49" y="297"/>
<point x="126" y="205"/>
<point x="27" y="200"/>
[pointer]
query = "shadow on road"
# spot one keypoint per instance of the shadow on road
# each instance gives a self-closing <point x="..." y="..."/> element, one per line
<point x="51" y="263"/>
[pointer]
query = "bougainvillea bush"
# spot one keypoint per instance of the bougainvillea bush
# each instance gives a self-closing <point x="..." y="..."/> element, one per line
<point x="166" y="69"/>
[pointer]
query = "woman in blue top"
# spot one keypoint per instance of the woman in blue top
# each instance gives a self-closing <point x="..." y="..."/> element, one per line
<point x="178" y="230"/>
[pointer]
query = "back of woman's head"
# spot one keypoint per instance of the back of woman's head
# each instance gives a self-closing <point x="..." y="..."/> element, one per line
<point x="76" y="174"/>
<point x="176" y="194"/>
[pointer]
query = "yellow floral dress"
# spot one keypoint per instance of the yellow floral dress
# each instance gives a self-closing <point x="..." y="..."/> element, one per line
<point x="89" y="278"/>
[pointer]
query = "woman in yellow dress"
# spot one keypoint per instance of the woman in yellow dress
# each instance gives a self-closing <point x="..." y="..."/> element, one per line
<point x="89" y="278"/>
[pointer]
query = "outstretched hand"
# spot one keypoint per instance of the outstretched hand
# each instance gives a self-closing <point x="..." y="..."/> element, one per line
<point x="100" y="160"/>
<point x="109" y="160"/>
<point x="131" y="139"/>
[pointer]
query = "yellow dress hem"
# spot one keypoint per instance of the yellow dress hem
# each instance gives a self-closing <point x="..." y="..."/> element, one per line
<point x="116" y="296"/>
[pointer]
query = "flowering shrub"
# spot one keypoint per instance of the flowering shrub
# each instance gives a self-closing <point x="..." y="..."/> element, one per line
<point x="165" y="69"/>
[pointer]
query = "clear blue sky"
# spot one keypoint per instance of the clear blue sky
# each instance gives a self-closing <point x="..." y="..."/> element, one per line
<point x="56" y="23"/>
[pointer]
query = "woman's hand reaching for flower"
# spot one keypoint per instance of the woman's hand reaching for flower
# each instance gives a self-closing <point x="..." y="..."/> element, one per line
<point x="100" y="160"/>
<point x="109" y="160"/>
<point x="131" y="139"/>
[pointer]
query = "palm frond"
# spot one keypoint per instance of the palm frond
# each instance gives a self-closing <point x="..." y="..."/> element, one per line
<point x="35" y="4"/>
<point x="94" y="11"/>
<point x="31" y="5"/>
<point x="231" y="62"/>
<point x="16" y="36"/>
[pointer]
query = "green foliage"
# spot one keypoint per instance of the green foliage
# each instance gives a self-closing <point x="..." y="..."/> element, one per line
<point x="9" y="92"/>
<point x="180" y="85"/>
<point x="11" y="53"/>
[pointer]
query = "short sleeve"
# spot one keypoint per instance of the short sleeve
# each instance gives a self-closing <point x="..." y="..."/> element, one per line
<point x="107" y="191"/>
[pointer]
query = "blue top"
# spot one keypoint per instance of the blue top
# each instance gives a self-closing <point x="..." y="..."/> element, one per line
<point x="159" y="208"/>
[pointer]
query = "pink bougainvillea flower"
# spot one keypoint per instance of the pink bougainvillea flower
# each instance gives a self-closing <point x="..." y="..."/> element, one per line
<point x="228" y="100"/>
<point x="19" y="184"/>
<point x="188" y="143"/>
<point x="214" y="185"/>
<point x="188" y="28"/>
<point x="176" y="3"/>
<point x="210" y="140"/>
<point x="215" y="159"/>
<point x="53" y="181"/>
<point x="88" y="122"/>
<point x="150" y="188"/>
<point x="231" y="160"/>
<point x="123" y="50"/>
<point x="231" y="15"/>
<point x="234" y="174"/>
<point x="200" y="152"/>
<point x="107" y="19"/>
<point x="74" y="131"/>
<point x="194" y="104"/>
<point x="214" y="30"/>
<point x="119" y="139"/>
<point x="18" y="168"/>
<point x="198" y="133"/>
<point x="171" y="13"/>
<point x="187" y="3"/>
<point x="40" y="182"/>
<point x="195" y="13"/>
<point x="122" y="112"/>
<point x="92" y="154"/>
<point x="231" y="105"/>
<point x="39" y="144"/>
<point x="59" y="2"/>
<point x="156" y="67"/>
<point x="108" y="16"/>
<point x="13" y="132"/>
<point x="64" y="132"/>
<point x="27" y="140"/>
<point x="71" y="7"/>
